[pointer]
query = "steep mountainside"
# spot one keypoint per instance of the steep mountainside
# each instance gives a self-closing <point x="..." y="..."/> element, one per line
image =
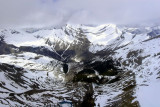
<point x="101" y="66"/>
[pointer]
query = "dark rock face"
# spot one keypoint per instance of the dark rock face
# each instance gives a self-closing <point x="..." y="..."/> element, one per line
<point x="65" y="68"/>
<point x="103" y="68"/>
<point x="14" y="32"/>
<point x="40" y="50"/>
<point x="154" y="33"/>
<point x="86" y="75"/>
<point x="7" y="49"/>
<point x="11" y="94"/>
<point x="2" y="38"/>
<point x="14" y="73"/>
<point x="66" y="57"/>
<point x="88" y="100"/>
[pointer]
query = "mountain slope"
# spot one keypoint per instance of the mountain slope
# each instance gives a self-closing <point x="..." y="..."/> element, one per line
<point x="110" y="65"/>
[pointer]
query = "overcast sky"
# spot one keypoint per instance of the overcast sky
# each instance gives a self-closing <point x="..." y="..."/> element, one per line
<point x="58" y="12"/>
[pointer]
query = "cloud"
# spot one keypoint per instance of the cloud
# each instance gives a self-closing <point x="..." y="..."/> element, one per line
<point x="59" y="12"/>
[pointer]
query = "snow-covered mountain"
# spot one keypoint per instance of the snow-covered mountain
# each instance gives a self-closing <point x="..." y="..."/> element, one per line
<point x="106" y="65"/>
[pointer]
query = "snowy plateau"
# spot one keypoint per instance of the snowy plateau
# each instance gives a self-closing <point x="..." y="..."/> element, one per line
<point x="101" y="66"/>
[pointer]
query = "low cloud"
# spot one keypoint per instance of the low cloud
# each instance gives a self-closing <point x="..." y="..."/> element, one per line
<point x="59" y="12"/>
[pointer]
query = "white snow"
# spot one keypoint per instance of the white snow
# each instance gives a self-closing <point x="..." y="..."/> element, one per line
<point x="148" y="86"/>
<point x="102" y="37"/>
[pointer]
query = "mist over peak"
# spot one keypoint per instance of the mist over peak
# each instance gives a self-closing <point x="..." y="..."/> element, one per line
<point x="59" y="12"/>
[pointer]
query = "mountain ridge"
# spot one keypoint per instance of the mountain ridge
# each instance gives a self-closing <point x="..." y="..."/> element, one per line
<point x="54" y="56"/>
